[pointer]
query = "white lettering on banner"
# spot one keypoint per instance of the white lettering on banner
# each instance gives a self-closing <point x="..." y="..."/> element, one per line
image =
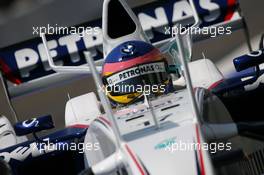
<point x="149" y="22"/>
<point x="181" y="10"/>
<point x="52" y="45"/>
<point x="212" y="7"/>
<point x="135" y="72"/>
<point x="70" y="41"/>
<point x="21" y="153"/>
<point x="26" y="60"/>
<point x="94" y="41"/>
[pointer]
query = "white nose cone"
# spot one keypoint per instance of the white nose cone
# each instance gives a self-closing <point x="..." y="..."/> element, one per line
<point x="120" y="24"/>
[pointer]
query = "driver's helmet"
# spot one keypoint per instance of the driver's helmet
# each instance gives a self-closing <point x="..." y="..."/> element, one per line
<point x="132" y="69"/>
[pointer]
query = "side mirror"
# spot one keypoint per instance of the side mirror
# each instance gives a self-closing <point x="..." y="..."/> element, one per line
<point x="251" y="60"/>
<point x="33" y="125"/>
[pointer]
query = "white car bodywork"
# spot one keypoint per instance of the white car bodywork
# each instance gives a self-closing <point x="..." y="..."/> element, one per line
<point x="141" y="136"/>
<point x="82" y="110"/>
<point x="7" y="134"/>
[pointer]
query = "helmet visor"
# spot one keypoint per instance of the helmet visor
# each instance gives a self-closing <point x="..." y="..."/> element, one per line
<point x="139" y="78"/>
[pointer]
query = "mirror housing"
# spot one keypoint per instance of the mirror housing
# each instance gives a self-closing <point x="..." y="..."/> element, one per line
<point x="250" y="60"/>
<point x="34" y="125"/>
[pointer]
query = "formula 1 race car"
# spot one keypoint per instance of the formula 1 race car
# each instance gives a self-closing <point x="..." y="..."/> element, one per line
<point x="183" y="127"/>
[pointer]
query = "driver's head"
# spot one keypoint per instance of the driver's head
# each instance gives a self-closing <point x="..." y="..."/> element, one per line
<point x="132" y="68"/>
